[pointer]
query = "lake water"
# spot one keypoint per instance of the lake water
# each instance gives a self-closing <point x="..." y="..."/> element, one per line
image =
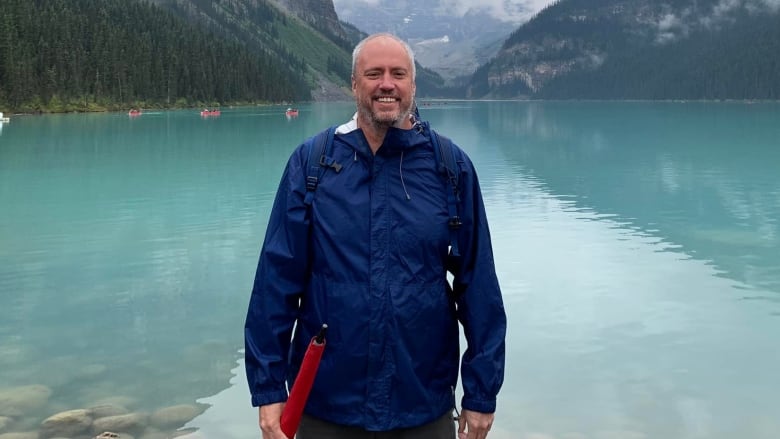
<point x="637" y="245"/>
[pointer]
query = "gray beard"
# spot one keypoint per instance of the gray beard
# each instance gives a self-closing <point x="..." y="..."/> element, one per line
<point x="370" y="117"/>
<point x="384" y="123"/>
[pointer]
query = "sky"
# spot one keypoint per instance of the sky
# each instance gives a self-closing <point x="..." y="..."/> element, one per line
<point x="514" y="11"/>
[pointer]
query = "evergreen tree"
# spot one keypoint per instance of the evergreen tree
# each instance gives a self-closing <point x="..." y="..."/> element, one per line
<point x="59" y="55"/>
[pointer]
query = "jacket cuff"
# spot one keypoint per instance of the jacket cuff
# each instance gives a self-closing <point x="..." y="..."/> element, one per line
<point x="478" y="405"/>
<point x="265" y="398"/>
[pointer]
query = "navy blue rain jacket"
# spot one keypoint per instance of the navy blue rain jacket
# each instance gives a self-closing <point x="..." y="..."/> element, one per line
<point x="369" y="258"/>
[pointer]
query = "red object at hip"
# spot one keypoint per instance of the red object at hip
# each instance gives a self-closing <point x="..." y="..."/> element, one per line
<point x="293" y="410"/>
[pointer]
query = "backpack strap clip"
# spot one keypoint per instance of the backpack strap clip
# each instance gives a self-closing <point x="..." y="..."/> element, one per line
<point x="311" y="183"/>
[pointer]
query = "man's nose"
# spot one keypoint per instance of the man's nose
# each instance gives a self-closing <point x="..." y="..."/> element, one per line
<point x="387" y="82"/>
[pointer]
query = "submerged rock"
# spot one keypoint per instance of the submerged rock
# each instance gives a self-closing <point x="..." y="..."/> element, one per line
<point x="174" y="416"/>
<point x="151" y="433"/>
<point x="112" y="435"/>
<point x="104" y="410"/>
<point x="18" y="401"/>
<point x="129" y="423"/>
<point x="188" y="433"/>
<point x="93" y="370"/>
<point x="5" y="421"/>
<point x="66" y="424"/>
<point x="118" y="401"/>
<point x="25" y="435"/>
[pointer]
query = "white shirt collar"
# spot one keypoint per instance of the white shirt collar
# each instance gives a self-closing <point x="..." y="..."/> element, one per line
<point x="349" y="126"/>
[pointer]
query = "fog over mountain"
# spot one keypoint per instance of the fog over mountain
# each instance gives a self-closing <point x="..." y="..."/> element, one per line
<point x="516" y="11"/>
<point x="677" y="25"/>
<point x="452" y="37"/>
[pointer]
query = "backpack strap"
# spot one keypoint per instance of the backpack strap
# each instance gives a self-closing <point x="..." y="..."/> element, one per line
<point x="319" y="161"/>
<point x="447" y="164"/>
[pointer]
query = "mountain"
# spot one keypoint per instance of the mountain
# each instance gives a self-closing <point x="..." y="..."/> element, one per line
<point x="447" y="40"/>
<point x="306" y="31"/>
<point x="92" y="55"/>
<point x="640" y="49"/>
<point x="321" y="14"/>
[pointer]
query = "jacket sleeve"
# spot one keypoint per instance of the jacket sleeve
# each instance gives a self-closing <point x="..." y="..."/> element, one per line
<point x="279" y="282"/>
<point x="478" y="298"/>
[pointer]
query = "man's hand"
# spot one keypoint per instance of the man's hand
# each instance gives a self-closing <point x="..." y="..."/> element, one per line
<point x="270" y="421"/>
<point x="474" y="425"/>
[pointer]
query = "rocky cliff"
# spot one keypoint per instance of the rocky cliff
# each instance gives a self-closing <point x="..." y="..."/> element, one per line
<point x="645" y="49"/>
<point x="320" y="14"/>
<point x="571" y="36"/>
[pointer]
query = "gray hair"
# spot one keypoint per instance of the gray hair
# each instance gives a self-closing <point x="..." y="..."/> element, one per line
<point x="359" y="48"/>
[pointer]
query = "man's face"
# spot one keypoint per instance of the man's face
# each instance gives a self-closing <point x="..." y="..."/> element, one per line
<point x="383" y="84"/>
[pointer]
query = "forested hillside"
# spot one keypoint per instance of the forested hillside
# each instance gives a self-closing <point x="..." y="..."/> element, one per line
<point x="308" y="38"/>
<point x="640" y="49"/>
<point x="76" y="55"/>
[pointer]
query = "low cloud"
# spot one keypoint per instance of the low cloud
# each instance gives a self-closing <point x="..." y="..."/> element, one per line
<point x="513" y="11"/>
<point x="723" y="10"/>
<point x="673" y="26"/>
<point x="505" y="10"/>
<point x="347" y="3"/>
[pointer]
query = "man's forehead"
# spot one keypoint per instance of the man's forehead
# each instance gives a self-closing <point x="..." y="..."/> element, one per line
<point x="382" y="41"/>
<point x="383" y="52"/>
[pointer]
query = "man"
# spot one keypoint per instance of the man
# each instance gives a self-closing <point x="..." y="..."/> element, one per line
<point x="369" y="257"/>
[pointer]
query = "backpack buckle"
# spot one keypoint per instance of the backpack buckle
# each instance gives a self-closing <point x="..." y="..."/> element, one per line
<point x="329" y="163"/>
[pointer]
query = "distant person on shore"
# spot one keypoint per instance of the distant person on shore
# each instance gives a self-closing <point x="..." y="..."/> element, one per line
<point x="366" y="248"/>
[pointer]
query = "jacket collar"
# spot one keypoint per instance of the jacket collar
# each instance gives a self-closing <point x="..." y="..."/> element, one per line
<point x="396" y="139"/>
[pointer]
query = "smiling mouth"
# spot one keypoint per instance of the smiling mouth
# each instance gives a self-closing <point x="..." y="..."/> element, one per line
<point x="386" y="100"/>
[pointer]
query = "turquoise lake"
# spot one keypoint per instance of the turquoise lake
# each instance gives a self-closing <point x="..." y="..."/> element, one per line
<point x="637" y="246"/>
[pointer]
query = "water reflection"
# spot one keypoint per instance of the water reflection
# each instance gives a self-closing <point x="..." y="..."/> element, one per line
<point x="699" y="175"/>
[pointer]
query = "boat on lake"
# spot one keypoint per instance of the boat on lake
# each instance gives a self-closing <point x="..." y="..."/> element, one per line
<point x="134" y="113"/>
<point x="291" y="112"/>
<point x="207" y="113"/>
<point x="4" y="119"/>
